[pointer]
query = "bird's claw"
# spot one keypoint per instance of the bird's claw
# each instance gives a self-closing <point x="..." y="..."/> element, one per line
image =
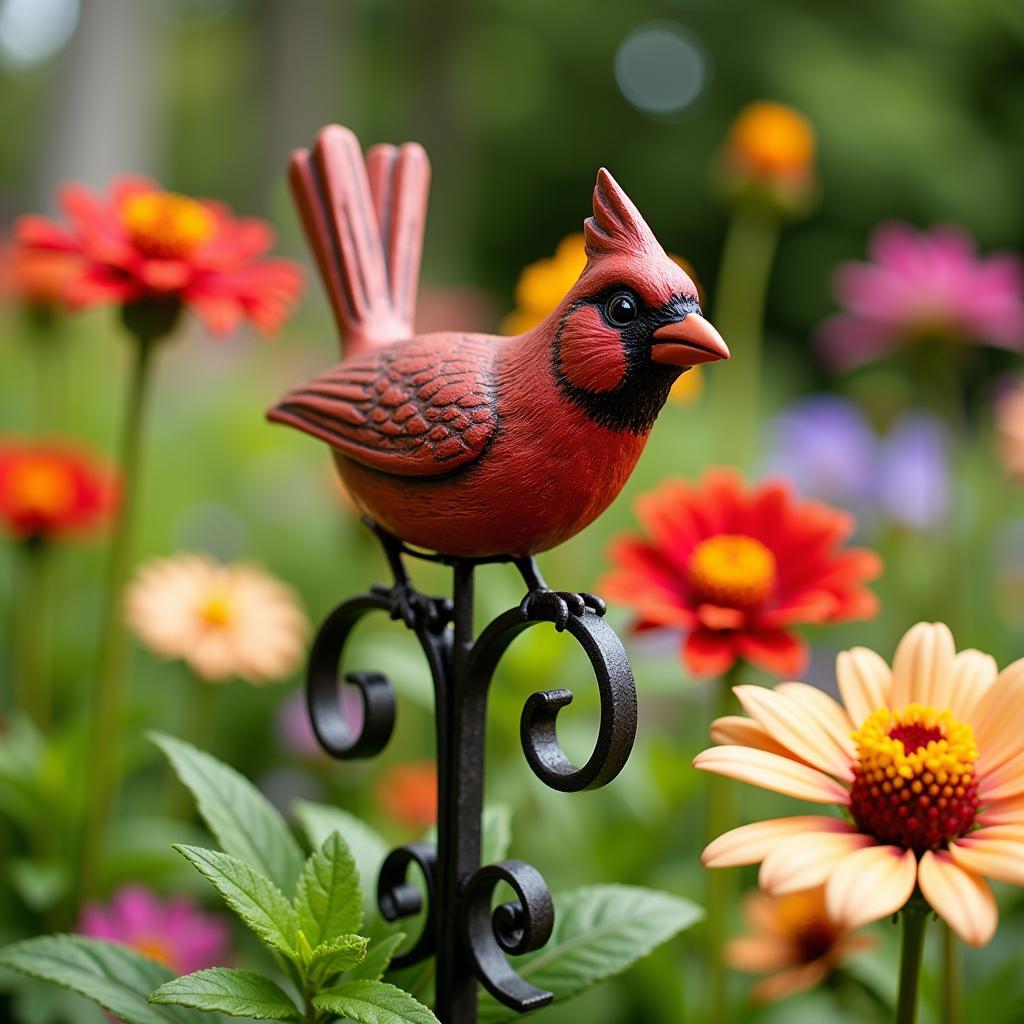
<point x="561" y="603"/>
<point x="415" y="609"/>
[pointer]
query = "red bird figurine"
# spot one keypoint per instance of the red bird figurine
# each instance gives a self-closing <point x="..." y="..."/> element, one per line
<point x="469" y="444"/>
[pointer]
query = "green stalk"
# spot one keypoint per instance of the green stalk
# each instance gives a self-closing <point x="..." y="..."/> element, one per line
<point x="952" y="978"/>
<point x="47" y="343"/>
<point x="147" y="323"/>
<point x="915" y="920"/>
<point x="743" y="276"/>
<point x="33" y="684"/>
<point x="721" y="884"/>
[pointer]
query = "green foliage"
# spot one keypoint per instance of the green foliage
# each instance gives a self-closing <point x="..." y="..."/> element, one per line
<point x="599" y="932"/>
<point x="328" y="901"/>
<point x="241" y="818"/>
<point x="234" y="992"/>
<point x="374" y="1002"/>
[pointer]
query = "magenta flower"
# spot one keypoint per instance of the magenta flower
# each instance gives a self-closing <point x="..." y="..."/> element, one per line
<point x="175" y="932"/>
<point x="923" y="285"/>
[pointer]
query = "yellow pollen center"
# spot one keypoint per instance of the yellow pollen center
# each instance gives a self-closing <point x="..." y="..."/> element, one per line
<point x="914" y="782"/>
<point x="732" y="570"/>
<point x="216" y="611"/>
<point x="156" y="948"/>
<point x="41" y="488"/>
<point x="166" y="225"/>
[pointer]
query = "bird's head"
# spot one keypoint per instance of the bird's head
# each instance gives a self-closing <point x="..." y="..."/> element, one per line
<point x="631" y="323"/>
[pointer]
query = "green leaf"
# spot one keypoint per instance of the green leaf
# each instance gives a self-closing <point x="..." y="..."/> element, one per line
<point x="377" y="958"/>
<point x="327" y="898"/>
<point x="599" y="932"/>
<point x="373" y="1002"/>
<point x="497" y="833"/>
<point x="244" y="822"/>
<point x="238" y="993"/>
<point x="341" y="953"/>
<point x="255" y="899"/>
<point x="368" y="848"/>
<point x="117" y="978"/>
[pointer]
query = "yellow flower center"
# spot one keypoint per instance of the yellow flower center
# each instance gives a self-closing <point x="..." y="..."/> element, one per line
<point x="732" y="570"/>
<point x="156" y="948"/>
<point x="166" y="225"/>
<point x="914" y="783"/>
<point x="772" y="138"/>
<point x="42" y="488"/>
<point x="216" y="611"/>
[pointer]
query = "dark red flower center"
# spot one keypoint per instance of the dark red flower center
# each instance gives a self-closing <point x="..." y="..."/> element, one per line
<point x="914" y="784"/>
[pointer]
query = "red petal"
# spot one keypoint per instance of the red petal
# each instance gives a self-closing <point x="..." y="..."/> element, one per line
<point x="709" y="653"/>
<point x="38" y="232"/>
<point x="714" y="616"/>
<point x="773" y="649"/>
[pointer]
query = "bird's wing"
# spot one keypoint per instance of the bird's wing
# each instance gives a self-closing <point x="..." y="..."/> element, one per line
<point x="419" y="408"/>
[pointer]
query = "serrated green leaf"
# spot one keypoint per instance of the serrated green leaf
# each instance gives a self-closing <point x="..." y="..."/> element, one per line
<point x="115" y="977"/>
<point x="377" y="958"/>
<point x="373" y="1002"/>
<point x="234" y="992"/>
<point x="341" y="953"/>
<point x="241" y="818"/>
<point x="368" y="847"/>
<point x="254" y="898"/>
<point x="328" y="901"/>
<point x="599" y="932"/>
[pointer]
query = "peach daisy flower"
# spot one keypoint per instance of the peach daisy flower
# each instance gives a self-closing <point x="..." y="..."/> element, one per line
<point x="792" y="939"/>
<point x="223" y="621"/>
<point x="926" y="760"/>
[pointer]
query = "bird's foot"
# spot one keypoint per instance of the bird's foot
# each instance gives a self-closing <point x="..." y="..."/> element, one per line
<point x="416" y="609"/>
<point x="559" y="604"/>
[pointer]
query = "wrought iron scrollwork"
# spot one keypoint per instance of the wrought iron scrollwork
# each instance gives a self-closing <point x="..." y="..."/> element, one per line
<point x="470" y="939"/>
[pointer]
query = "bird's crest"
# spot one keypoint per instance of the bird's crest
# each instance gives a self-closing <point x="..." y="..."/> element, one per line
<point x="617" y="225"/>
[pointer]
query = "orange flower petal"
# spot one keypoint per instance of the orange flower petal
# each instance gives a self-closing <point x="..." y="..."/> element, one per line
<point x="791" y="724"/>
<point x="1005" y="781"/>
<point x="996" y="852"/>
<point x="738" y="730"/>
<point x="973" y="673"/>
<point x="998" y="719"/>
<point x="770" y="771"/>
<point x="790" y="982"/>
<point x="922" y="665"/>
<point x="806" y="861"/>
<point x="962" y="899"/>
<point x="758" y="954"/>
<point x="750" y="844"/>
<point x="829" y="713"/>
<point x="1002" y="812"/>
<point x="870" y="884"/>
<point x="865" y="682"/>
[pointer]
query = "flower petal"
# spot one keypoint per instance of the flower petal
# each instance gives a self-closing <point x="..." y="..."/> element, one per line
<point x="775" y="650"/>
<point x="803" y="862"/>
<point x="922" y="665"/>
<point x="973" y="673"/>
<point x="770" y="771"/>
<point x="996" y="852"/>
<point x="750" y="844"/>
<point x="870" y="884"/>
<point x="1002" y="812"/>
<point x="738" y="730"/>
<point x="998" y="718"/>
<point x="830" y="714"/>
<point x="758" y="954"/>
<point x="709" y="652"/>
<point x="791" y="724"/>
<point x="962" y="899"/>
<point x="1005" y="781"/>
<point x="865" y="682"/>
<point x="790" y="982"/>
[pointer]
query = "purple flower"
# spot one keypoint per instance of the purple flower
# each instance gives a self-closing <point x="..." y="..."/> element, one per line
<point x="923" y="284"/>
<point x="174" y="932"/>
<point x="826" y="447"/>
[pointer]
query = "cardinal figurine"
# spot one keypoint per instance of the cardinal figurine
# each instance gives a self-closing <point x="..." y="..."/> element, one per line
<point x="473" y="445"/>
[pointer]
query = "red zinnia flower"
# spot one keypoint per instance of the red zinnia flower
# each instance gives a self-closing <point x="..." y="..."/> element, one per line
<point x="736" y="569"/>
<point x="141" y="243"/>
<point x="407" y="793"/>
<point x="49" y="490"/>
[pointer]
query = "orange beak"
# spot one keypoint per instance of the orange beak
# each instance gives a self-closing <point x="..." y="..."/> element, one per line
<point x="688" y="342"/>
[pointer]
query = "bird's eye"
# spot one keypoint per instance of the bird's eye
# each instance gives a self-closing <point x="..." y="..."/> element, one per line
<point x="621" y="309"/>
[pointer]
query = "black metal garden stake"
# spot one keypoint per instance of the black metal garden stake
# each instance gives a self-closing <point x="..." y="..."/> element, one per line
<point x="470" y="940"/>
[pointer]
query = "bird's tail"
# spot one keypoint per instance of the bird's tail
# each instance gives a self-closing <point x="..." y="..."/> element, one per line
<point x="364" y="221"/>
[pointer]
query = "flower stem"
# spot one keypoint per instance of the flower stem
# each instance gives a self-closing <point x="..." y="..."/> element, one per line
<point x="32" y="671"/>
<point x="106" y="710"/>
<point x="721" y="816"/>
<point x="952" y="978"/>
<point x="915" y="920"/>
<point x="743" y="276"/>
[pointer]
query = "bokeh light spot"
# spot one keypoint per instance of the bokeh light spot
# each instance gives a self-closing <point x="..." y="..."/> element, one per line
<point x="34" y="30"/>
<point x="661" y="68"/>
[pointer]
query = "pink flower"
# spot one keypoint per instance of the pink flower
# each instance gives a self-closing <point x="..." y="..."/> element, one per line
<point x="923" y="285"/>
<point x="174" y="932"/>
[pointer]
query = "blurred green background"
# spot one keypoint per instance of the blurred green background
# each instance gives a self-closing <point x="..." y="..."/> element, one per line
<point x="918" y="107"/>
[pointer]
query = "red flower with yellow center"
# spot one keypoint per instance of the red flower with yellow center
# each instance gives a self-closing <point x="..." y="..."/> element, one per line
<point x="143" y="244"/>
<point x="51" y="490"/>
<point x="736" y="569"/>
